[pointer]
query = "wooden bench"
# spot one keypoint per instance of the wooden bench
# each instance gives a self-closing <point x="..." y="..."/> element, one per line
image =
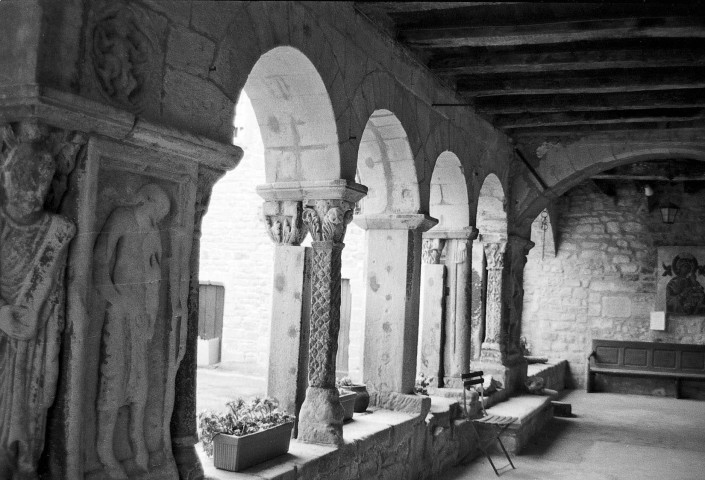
<point x="646" y="359"/>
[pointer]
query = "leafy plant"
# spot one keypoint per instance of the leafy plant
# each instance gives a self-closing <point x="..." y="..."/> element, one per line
<point x="240" y="418"/>
<point x="422" y="384"/>
<point x="344" y="382"/>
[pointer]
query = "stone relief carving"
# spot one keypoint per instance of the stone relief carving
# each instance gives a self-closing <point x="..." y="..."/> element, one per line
<point x="128" y="273"/>
<point x="431" y="249"/>
<point x="329" y="220"/>
<point x="321" y="416"/>
<point x="494" y="252"/>
<point x="33" y="247"/>
<point x="284" y="222"/>
<point x="121" y="51"/>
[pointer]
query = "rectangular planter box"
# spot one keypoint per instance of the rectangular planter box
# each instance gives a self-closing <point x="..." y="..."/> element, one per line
<point x="347" y="400"/>
<point x="238" y="453"/>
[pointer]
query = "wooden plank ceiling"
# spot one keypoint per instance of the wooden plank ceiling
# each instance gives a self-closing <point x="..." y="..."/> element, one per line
<point x="561" y="69"/>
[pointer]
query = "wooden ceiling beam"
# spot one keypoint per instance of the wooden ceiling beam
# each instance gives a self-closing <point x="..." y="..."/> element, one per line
<point x="515" y="104"/>
<point x="557" y="32"/>
<point x="482" y="61"/>
<point x="553" y="131"/>
<point x="597" y="118"/>
<point x="586" y="82"/>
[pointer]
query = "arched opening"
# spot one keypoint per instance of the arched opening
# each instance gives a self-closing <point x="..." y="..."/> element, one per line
<point x="449" y="194"/>
<point x="285" y="124"/>
<point x="491" y="222"/>
<point x="385" y="164"/>
<point x="613" y="265"/>
<point x="444" y="353"/>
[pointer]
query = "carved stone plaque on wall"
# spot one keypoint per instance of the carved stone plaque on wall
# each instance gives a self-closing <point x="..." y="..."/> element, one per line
<point x="137" y="219"/>
<point x="681" y="280"/>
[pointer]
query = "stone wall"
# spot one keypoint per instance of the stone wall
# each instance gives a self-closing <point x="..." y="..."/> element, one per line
<point x="602" y="281"/>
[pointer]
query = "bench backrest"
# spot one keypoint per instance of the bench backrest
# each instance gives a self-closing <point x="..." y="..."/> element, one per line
<point x="650" y="356"/>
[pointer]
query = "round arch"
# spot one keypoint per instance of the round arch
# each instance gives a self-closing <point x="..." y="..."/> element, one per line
<point x="537" y="202"/>
<point x="491" y="218"/>
<point x="385" y="164"/>
<point x="449" y="194"/>
<point x="295" y="116"/>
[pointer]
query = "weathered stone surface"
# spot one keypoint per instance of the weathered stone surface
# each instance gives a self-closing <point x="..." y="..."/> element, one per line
<point x="321" y="417"/>
<point x="32" y="259"/>
<point x="398" y="402"/>
<point x="431" y="313"/>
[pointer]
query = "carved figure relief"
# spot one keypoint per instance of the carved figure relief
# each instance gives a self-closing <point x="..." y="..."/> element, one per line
<point x="127" y="273"/>
<point x="121" y="53"/>
<point x="494" y="253"/>
<point x="431" y="249"/>
<point x="284" y="222"/>
<point x="33" y="247"/>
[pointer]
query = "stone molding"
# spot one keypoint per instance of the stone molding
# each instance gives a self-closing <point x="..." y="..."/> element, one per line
<point x="338" y="189"/>
<point x="73" y="112"/>
<point x="402" y="221"/>
<point x="284" y="222"/>
<point x="471" y="233"/>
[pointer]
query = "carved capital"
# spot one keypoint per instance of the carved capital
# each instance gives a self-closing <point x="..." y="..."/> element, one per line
<point x="327" y="220"/>
<point x="284" y="222"/>
<point x="431" y="250"/>
<point x="495" y="255"/>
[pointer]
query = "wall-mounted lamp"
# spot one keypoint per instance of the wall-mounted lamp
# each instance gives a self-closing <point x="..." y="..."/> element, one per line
<point x="669" y="212"/>
<point x="648" y="191"/>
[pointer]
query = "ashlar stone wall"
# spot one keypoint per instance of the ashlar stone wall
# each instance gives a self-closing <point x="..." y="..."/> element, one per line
<point x="602" y="281"/>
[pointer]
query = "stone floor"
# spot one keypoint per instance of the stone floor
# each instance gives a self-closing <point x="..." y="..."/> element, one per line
<point x="224" y="382"/>
<point x="611" y="436"/>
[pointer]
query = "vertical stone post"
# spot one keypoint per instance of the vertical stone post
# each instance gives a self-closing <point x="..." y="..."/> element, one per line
<point x="288" y="343"/>
<point x="457" y="318"/>
<point x="184" y="435"/>
<point x="493" y="346"/>
<point x="519" y="248"/>
<point x="431" y="309"/>
<point x="321" y="417"/>
<point x="392" y="276"/>
<point x="478" y="273"/>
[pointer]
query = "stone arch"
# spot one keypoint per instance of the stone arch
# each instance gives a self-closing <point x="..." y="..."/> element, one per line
<point x="295" y="116"/>
<point x="448" y="201"/>
<point x="601" y="158"/>
<point x="380" y="91"/>
<point x="386" y="166"/>
<point x="491" y="217"/>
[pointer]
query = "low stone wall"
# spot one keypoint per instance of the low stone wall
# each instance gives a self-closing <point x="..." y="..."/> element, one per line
<point x="553" y="374"/>
<point x="533" y="412"/>
<point x="379" y="444"/>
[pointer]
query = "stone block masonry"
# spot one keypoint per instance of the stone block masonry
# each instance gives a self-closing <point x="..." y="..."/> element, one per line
<point x="602" y="281"/>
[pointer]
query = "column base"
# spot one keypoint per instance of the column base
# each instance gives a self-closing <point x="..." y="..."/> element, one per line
<point x="321" y="417"/>
<point x="187" y="462"/>
<point x="512" y="376"/>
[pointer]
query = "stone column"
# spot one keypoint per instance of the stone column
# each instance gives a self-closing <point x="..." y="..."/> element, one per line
<point x="457" y="318"/>
<point x="286" y="378"/>
<point x="321" y="416"/>
<point x="518" y="249"/>
<point x="493" y="346"/>
<point x="431" y="309"/>
<point x="392" y="276"/>
<point x="184" y="434"/>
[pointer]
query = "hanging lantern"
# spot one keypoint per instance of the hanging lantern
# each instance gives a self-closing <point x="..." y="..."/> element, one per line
<point x="669" y="212"/>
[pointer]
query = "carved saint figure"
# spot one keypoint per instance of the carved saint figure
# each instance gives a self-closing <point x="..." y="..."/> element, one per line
<point x="127" y="272"/>
<point x="684" y="294"/>
<point x="33" y="246"/>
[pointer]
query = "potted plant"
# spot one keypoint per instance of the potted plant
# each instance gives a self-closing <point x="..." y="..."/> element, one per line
<point x="362" y="397"/>
<point x="246" y="434"/>
<point x="422" y="384"/>
<point x="347" y="400"/>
